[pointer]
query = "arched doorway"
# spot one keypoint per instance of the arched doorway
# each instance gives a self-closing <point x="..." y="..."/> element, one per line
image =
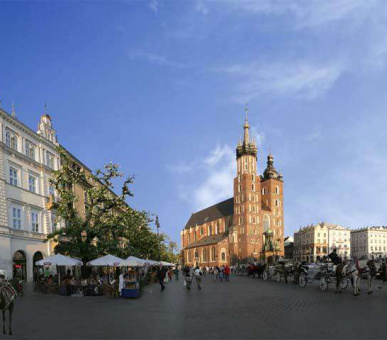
<point x="19" y="268"/>
<point x="37" y="257"/>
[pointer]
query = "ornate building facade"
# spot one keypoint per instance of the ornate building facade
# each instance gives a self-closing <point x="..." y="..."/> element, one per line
<point x="313" y="242"/>
<point x="27" y="199"/>
<point x="245" y="227"/>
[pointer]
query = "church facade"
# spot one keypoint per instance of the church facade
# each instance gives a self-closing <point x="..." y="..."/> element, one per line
<point x="246" y="227"/>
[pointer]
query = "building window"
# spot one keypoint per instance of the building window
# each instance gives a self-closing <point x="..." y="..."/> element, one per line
<point x="252" y="176"/>
<point x="53" y="223"/>
<point x="13" y="176"/>
<point x="35" y="221"/>
<point x="16" y="218"/>
<point x="14" y="143"/>
<point x="210" y="230"/>
<point x="32" y="183"/>
<point x="213" y="253"/>
<point x="51" y="190"/>
<point x="201" y="233"/>
<point x="253" y="187"/>
<point x="239" y="188"/>
<point x="8" y="139"/>
<point x="196" y="253"/>
<point x="30" y="151"/>
<point x="50" y="160"/>
<point x="263" y="191"/>
<point x="204" y="255"/>
<point x="277" y="190"/>
<point x="223" y="256"/>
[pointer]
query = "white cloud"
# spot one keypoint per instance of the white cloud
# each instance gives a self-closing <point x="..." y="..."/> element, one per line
<point x="153" y="5"/>
<point x="217" y="155"/>
<point x="305" y="13"/>
<point x="154" y="59"/>
<point x="219" y="173"/>
<point x="201" y="7"/>
<point x="302" y="80"/>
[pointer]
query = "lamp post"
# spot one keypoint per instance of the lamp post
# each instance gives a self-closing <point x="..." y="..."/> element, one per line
<point x="158" y="227"/>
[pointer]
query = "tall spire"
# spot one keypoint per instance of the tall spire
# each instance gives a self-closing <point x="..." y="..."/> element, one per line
<point x="246" y="139"/>
<point x="13" y="114"/>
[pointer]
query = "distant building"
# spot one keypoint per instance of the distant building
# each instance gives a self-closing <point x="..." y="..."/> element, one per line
<point x="313" y="242"/>
<point x="232" y="231"/>
<point x="368" y="242"/>
<point x="289" y="246"/>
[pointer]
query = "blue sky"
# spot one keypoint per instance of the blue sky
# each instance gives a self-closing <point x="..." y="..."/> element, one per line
<point x="160" y="87"/>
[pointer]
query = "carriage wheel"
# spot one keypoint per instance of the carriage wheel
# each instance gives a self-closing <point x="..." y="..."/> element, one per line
<point x="344" y="283"/>
<point x="323" y="284"/>
<point x="265" y="275"/>
<point x="278" y="277"/>
<point x="303" y="280"/>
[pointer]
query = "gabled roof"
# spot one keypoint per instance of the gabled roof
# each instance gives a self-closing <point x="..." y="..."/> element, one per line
<point x="219" y="210"/>
<point x="208" y="240"/>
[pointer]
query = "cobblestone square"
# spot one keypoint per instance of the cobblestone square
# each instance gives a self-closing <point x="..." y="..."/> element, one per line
<point x="244" y="308"/>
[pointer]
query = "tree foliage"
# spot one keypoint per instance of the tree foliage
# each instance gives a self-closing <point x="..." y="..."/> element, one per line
<point x="106" y="224"/>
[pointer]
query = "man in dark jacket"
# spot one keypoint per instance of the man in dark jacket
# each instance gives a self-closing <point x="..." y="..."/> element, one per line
<point x="161" y="276"/>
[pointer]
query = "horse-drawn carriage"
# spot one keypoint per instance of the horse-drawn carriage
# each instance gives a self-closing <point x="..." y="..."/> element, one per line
<point x="282" y="269"/>
<point x="322" y="273"/>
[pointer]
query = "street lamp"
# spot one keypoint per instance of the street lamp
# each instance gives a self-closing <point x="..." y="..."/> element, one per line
<point x="158" y="227"/>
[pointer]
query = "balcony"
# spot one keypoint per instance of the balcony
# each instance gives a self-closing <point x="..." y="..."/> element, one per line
<point x="52" y="202"/>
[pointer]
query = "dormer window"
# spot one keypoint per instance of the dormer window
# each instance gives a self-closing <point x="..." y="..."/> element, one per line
<point x="49" y="136"/>
<point x="11" y="140"/>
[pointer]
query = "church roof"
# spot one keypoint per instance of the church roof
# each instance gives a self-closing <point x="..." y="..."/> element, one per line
<point x="208" y="240"/>
<point x="219" y="210"/>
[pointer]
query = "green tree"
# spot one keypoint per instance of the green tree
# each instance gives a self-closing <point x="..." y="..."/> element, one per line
<point x="110" y="225"/>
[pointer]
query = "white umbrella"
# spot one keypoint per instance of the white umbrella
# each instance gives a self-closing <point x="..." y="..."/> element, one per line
<point x="59" y="260"/>
<point x="107" y="261"/>
<point x="151" y="262"/>
<point x="167" y="264"/>
<point x="133" y="261"/>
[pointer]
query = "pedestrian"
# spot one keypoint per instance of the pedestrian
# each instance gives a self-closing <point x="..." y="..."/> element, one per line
<point x="227" y="272"/>
<point x="215" y="273"/>
<point x="187" y="272"/>
<point x="170" y="274"/>
<point x="161" y="277"/>
<point x="383" y="272"/>
<point x="198" y="277"/>
<point x="176" y="272"/>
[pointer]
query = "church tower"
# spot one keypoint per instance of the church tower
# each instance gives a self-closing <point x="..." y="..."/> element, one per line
<point x="246" y="239"/>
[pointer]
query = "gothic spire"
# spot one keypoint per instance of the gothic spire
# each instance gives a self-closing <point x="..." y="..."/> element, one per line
<point x="246" y="139"/>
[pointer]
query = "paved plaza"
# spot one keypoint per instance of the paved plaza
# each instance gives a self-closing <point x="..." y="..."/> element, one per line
<point x="243" y="308"/>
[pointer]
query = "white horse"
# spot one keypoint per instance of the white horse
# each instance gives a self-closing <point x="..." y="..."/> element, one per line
<point x="354" y="270"/>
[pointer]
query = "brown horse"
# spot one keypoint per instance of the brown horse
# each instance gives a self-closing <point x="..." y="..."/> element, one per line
<point x="7" y="302"/>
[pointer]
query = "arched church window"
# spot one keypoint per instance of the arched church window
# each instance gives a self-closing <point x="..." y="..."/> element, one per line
<point x="223" y="256"/>
<point x="204" y="254"/>
<point x="196" y="253"/>
<point x="266" y="222"/>
<point x="253" y="187"/>
<point x="213" y="253"/>
<point x="263" y="191"/>
<point x="277" y="190"/>
<point x="210" y="230"/>
<point x="201" y="231"/>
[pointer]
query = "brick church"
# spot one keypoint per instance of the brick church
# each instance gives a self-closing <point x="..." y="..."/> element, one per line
<point x="246" y="227"/>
